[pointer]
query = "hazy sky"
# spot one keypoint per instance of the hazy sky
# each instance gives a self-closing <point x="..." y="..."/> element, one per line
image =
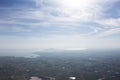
<point x="60" y="24"/>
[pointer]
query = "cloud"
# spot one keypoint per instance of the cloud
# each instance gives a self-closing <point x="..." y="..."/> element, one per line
<point x="112" y="22"/>
<point x="13" y="29"/>
<point x="110" y="33"/>
<point x="58" y="12"/>
<point x="66" y="11"/>
<point x="62" y="11"/>
<point x="110" y="27"/>
<point x="78" y="10"/>
<point x="59" y="24"/>
<point x="85" y="10"/>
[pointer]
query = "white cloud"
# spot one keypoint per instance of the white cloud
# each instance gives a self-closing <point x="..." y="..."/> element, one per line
<point x="110" y="27"/>
<point x="65" y="13"/>
<point x="110" y="32"/>
<point x="13" y="29"/>
<point x="75" y="10"/>
<point x="112" y="22"/>
<point x="60" y="12"/>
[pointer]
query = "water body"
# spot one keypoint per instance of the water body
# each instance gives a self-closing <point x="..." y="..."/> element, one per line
<point x="35" y="78"/>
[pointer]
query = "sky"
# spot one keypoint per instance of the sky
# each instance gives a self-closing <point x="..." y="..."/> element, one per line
<point x="59" y="24"/>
